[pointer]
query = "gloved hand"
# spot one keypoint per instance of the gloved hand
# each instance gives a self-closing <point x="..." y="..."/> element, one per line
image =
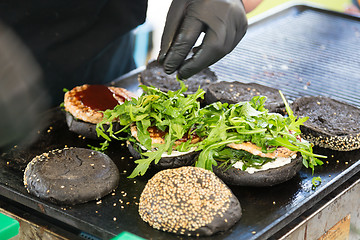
<point x="224" y="23"/>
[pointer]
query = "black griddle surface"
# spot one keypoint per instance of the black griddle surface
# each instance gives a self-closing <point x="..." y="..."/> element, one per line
<point x="302" y="51"/>
<point x="265" y="210"/>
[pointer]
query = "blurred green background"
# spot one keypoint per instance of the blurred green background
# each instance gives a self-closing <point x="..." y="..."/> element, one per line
<point x="336" y="5"/>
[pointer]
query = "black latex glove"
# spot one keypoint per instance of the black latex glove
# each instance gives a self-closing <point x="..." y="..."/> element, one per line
<point x="224" y="23"/>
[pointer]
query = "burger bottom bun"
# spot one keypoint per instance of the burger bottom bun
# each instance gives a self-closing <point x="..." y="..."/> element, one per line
<point x="269" y="177"/>
<point x="86" y="129"/>
<point x="186" y="159"/>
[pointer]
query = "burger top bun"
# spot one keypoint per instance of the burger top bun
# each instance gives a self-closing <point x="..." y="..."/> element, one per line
<point x="189" y="201"/>
<point x="332" y="124"/>
<point x="154" y="75"/>
<point x="71" y="176"/>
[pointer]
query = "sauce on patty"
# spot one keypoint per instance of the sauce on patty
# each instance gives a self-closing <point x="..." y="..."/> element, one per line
<point x="98" y="97"/>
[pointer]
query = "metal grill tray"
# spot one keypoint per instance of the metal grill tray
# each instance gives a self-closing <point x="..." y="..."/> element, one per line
<point x="302" y="51"/>
<point x="299" y="49"/>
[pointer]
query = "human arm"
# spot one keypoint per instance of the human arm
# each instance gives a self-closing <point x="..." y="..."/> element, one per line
<point x="251" y="4"/>
<point x="22" y="95"/>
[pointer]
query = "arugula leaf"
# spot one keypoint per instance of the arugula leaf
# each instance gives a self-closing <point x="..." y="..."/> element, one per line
<point x="316" y="181"/>
<point x="218" y="124"/>
<point x="251" y="121"/>
<point x="143" y="134"/>
<point x="287" y="107"/>
<point x="171" y="112"/>
<point x="144" y="163"/>
<point x="230" y="156"/>
<point x="103" y="146"/>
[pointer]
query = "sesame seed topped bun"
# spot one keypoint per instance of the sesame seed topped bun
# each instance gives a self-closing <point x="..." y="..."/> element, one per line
<point x="188" y="201"/>
<point x="332" y="124"/>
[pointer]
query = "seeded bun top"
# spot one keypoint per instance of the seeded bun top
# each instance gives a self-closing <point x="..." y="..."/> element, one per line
<point x="331" y="124"/>
<point x="189" y="201"/>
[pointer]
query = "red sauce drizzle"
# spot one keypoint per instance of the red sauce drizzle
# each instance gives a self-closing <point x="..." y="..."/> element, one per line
<point x="155" y="132"/>
<point x="187" y="136"/>
<point x="98" y="97"/>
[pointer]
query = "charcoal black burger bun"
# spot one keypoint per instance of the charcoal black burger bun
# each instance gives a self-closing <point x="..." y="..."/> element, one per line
<point x="154" y="75"/>
<point x="234" y="92"/>
<point x="71" y="176"/>
<point x="87" y="129"/>
<point x="332" y="124"/>
<point x="189" y="201"/>
<point x="84" y="106"/>
<point x="177" y="159"/>
<point x="263" y="178"/>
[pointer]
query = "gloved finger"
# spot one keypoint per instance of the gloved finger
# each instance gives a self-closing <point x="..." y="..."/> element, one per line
<point x="173" y="21"/>
<point x="181" y="46"/>
<point x="225" y="28"/>
<point x="203" y="57"/>
<point x="216" y="44"/>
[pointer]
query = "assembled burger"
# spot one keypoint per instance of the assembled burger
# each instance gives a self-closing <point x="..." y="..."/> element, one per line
<point x="249" y="146"/>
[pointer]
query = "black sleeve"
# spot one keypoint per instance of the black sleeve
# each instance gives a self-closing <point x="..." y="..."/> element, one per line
<point x="63" y="34"/>
<point x="115" y="19"/>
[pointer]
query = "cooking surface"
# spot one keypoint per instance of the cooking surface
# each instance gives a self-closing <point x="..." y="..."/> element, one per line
<point x="302" y="51"/>
<point x="294" y="51"/>
<point x="265" y="210"/>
